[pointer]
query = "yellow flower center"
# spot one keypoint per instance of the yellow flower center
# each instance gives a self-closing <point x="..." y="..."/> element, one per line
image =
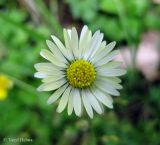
<point x="81" y="74"/>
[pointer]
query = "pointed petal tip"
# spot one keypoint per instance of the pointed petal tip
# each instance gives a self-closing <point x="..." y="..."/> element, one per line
<point x="85" y="26"/>
<point x="39" y="75"/>
<point x="49" y="101"/>
<point x="35" y="65"/>
<point x="35" y="75"/>
<point x="41" y="52"/>
<point x="39" y="89"/>
<point x="117" y="94"/>
<point x="125" y="71"/>
<point x="73" y="28"/>
<point x="78" y="115"/>
<point x="114" y="42"/>
<point x="47" y="42"/>
<point x="91" y="117"/>
<point x="111" y="106"/>
<point x="69" y="114"/>
<point x="59" y="110"/>
<point x="53" y="37"/>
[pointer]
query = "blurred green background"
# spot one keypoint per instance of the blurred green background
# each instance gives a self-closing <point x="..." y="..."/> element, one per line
<point x="24" y="113"/>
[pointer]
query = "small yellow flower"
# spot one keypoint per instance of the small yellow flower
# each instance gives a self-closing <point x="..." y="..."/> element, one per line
<point x="5" y="84"/>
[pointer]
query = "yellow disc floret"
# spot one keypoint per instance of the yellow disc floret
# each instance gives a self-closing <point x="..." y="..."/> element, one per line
<point x="81" y="74"/>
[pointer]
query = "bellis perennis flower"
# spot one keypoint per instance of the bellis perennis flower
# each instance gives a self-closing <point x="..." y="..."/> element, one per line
<point x="80" y="73"/>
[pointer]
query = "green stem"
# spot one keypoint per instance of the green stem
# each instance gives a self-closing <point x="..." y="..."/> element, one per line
<point x="122" y="17"/>
<point x="93" y="139"/>
<point x="23" y="85"/>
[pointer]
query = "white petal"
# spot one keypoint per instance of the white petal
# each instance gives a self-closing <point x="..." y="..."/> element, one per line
<point x="83" y="38"/>
<point x="106" y="59"/>
<point x="50" y="57"/>
<point x="94" y="103"/>
<point x="87" y="104"/>
<point x="74" y="42"/>
<point x="57" y="94"/>
<point x="70" y="102"/>
<point x="103" y="51"/>
<point x="93" y="43"/>
<point x="64" y="100"/>
<point x="107" y="88"/>
<point x="83" y="32"/>
<point x="77" y="102"/>
<point x="46" y="66"/>
<point x="50" y="71"/>
<point x="53" y="78"/>
<point x="51" y="85"/>
<point x="61" y="47"/>
<point x="49" y="76"/>
<point x="94" y="48"/>
<point x="101" y="47"/>
<point x="84" y="42"/>
<point x="103" y="98"/>
<point x="111" y="72"/>
<point x="69" y="32"/>
<point x="116" y="79"/>
<point x="67" y="39"/>
<point x="111" y="65"/>
<point x="110" y="81"/>
<point x="101" y="105"/>
<point x="40" y="75"/>
<point x="57" y="53"/>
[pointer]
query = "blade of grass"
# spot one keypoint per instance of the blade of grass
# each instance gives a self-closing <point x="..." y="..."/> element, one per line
<point x="49" y="17"/>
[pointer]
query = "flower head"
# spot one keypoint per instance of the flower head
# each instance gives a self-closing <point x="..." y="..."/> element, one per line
<point x="5" y="84"/>
<point x="81" y="73"/>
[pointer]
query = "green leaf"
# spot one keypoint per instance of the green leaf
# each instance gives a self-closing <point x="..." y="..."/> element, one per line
<point x="108" y="6"/>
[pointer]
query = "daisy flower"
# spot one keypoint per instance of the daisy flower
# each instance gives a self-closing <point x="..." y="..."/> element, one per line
<point x="80" y="73"/>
